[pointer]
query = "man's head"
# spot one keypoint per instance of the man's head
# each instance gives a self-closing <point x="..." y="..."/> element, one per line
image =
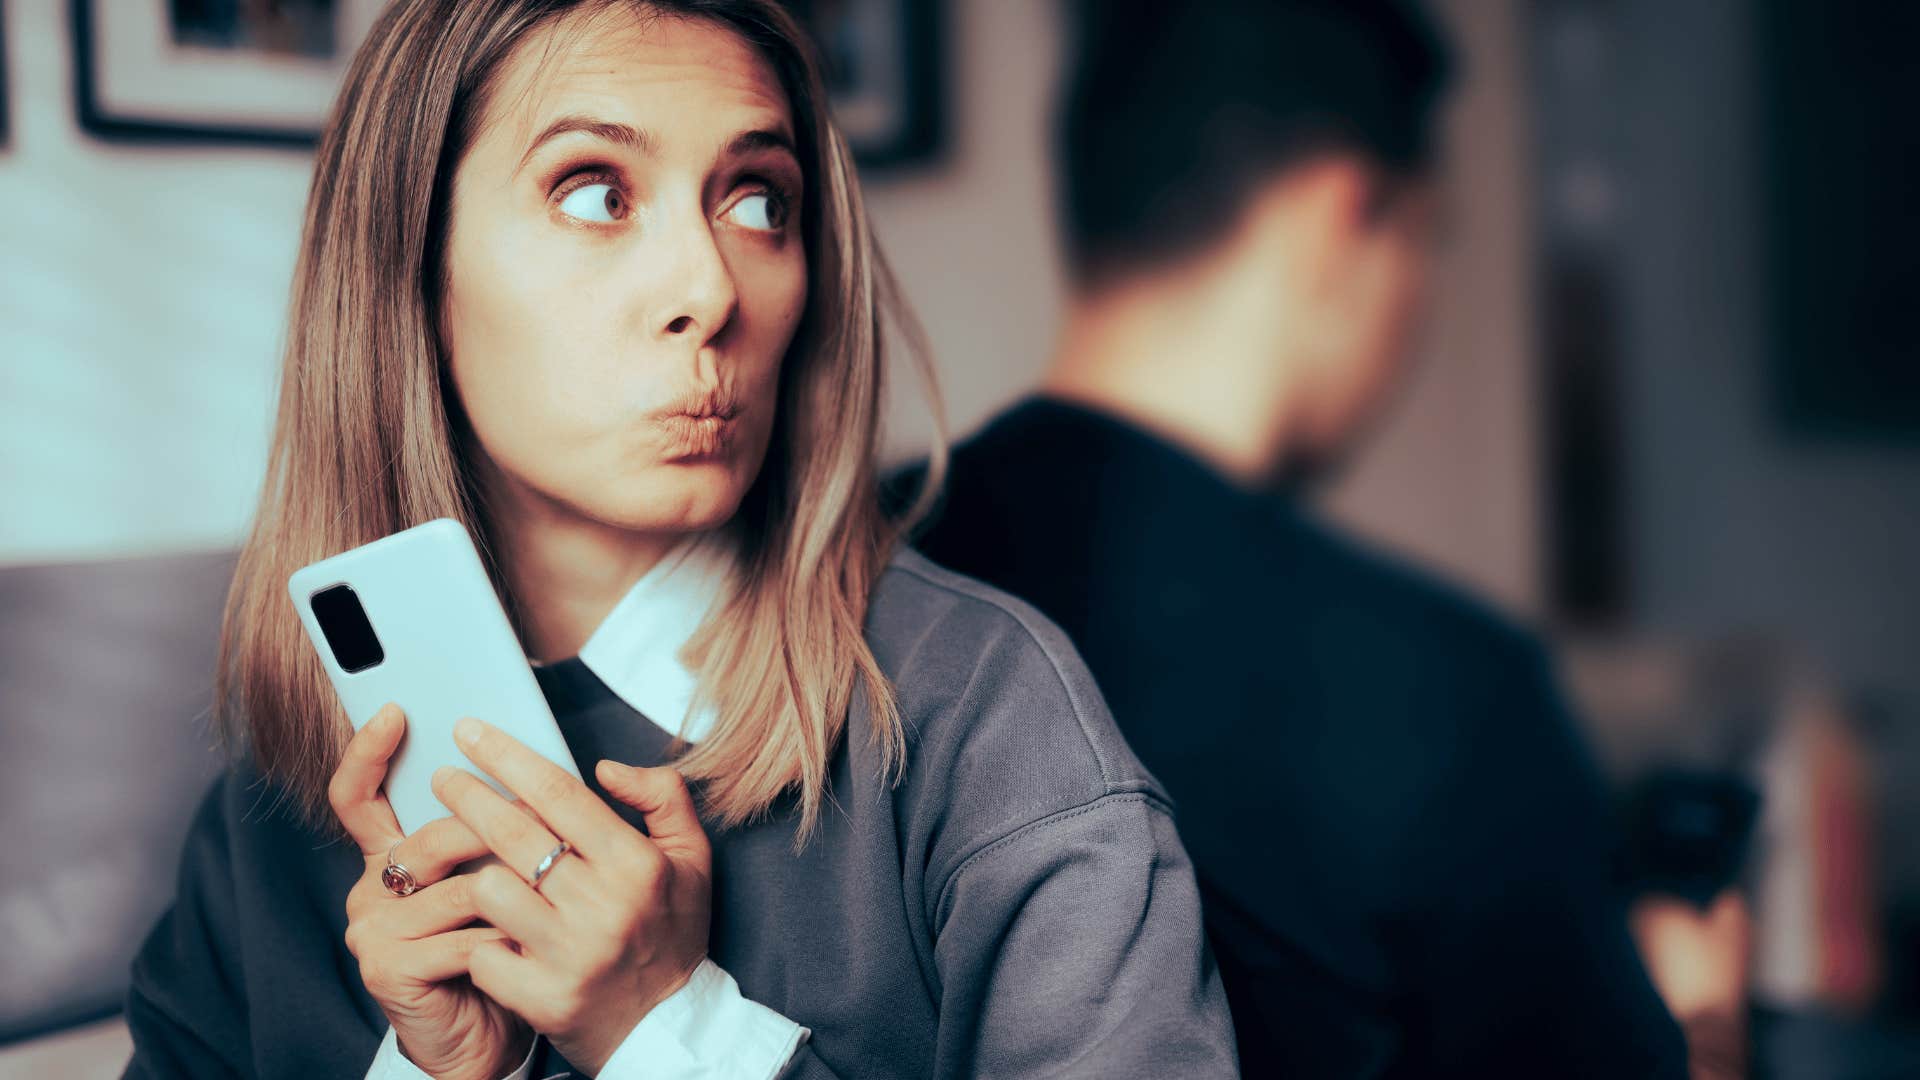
<point x="1289" y="140"/>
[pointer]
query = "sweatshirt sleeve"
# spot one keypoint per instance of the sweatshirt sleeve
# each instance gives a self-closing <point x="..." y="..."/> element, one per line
<point x="185" y="1007"/>
<point x="1073" y="946"/>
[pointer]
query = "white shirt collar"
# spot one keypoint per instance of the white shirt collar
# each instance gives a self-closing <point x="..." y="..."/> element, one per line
<point x="636" y="648"/>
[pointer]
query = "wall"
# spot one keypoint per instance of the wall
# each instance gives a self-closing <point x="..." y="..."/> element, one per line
<point x="142" y="291"/>
<point x="1734" y="527"/>
<point x="1453" y="479"/>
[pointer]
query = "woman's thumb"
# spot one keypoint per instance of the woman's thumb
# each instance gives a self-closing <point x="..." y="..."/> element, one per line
<point x="661" y="796"/>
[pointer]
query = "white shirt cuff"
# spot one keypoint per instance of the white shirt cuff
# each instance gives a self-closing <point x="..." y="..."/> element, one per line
<point x="390" y="1064"/>
<point x="707" y="1029"/>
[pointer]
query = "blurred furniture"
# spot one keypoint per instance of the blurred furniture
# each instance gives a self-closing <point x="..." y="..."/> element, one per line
<point x="1816" y="876"/>
<point x="106" y="674"/>
<point x="96" y="1051"/>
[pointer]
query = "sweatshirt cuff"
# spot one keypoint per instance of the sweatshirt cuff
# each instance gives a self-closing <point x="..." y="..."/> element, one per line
<point x="707" y="1029"/>
<point x="390" y="1064"/>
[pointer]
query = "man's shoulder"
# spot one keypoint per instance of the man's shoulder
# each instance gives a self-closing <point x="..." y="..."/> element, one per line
<point x="1385" y="601"/>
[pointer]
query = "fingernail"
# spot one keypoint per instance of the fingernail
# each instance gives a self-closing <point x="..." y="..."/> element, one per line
<point x="466" y="731"/>
<point x="441" y="775"/>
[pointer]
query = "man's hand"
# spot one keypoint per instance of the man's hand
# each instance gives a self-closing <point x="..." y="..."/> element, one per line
<point x="1698" y="961"/>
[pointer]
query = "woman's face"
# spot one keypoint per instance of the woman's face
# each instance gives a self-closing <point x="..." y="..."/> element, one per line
<point x="626" y="270"/>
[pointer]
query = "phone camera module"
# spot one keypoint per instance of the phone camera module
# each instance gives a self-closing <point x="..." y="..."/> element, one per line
<point x="349" y="634"/>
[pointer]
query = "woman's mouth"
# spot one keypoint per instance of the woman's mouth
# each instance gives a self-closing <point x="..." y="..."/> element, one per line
<point x="700" y="425"/>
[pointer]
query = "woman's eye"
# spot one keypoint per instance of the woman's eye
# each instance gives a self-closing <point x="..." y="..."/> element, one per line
<point x="595" y="202"/>
<point x="760" y="210"/>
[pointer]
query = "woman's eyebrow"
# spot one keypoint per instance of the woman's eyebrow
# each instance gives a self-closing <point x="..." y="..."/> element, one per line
<point x="749" y="141"/>
<point x="612" y="131"/>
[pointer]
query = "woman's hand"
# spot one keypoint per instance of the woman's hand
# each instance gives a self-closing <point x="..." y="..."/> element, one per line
<point x="618" y="923"/>
<point x="414" y="950"/>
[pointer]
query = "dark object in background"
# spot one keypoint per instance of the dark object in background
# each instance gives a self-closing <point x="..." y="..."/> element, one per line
<point x="294" y="27"/>
<point x="1836" y="92"/>
<point x="1574" y="69"/>
<point x="885" y="71"/>
<point x="1687" y="834"/>
<point x="3" y="75"/>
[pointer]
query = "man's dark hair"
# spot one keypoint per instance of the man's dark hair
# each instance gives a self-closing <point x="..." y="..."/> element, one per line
<point x="1176" y="113"/>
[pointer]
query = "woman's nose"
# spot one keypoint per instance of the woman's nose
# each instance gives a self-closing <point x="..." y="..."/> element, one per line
<point x="700" y="296"/>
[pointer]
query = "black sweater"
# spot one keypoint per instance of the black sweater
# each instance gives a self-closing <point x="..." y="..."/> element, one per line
<point x="1399" y="838"/>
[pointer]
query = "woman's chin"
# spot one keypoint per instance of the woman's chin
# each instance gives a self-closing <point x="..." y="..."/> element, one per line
<point x="699" y="501"/>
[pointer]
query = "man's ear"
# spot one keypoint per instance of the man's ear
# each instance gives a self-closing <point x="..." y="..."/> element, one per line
<point x="1318" y="214"/>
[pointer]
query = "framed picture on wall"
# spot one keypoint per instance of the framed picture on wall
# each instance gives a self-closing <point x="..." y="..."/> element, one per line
<point x="3" y="76"/>
<point x="1840" y="224"/>
<point x="262" y="71"/>
<point x="266" y="71"/>
<point x="885" y="74"/>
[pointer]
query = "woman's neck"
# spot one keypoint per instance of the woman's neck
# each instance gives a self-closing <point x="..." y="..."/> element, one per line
<point x="564" y="570"/>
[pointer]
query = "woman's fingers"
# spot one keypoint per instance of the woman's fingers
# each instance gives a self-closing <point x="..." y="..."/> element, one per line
<point x="354" y="790"/>
<point x="444" y="956"/>
<point x="402" y="965"/>
<point x="492" y="894"/>
<point x="518" y="983"/>
<point x="436" y="848"/>
<point x="435" y="909"/>
<point x="565" y="803"/>
<point x="509" y="831"/>
<point x="661" y="796"/>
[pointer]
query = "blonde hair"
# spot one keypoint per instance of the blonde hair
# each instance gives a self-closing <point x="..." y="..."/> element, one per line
<point x="368" y="439"/>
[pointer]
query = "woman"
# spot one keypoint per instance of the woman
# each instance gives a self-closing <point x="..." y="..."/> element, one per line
<point x="595" y="279"/>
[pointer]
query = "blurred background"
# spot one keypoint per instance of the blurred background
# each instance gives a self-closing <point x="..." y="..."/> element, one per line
<point x="1669" y="410"/>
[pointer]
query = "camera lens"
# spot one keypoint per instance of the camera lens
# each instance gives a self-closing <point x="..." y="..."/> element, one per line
<point x="349" y="634"/>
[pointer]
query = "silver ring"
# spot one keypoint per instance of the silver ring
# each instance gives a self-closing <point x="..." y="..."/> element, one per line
<point x="546" y="864"/>
<point x="398" y="879"/>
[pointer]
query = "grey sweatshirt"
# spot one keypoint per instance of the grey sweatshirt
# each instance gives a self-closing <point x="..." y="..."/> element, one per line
<point x="1018" y="906"/>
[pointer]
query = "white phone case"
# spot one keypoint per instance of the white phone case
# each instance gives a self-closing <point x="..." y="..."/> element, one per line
<point x="449" y="652"/>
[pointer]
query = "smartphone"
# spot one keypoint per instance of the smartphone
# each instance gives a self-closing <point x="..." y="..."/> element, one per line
<point x="413" y="619"/>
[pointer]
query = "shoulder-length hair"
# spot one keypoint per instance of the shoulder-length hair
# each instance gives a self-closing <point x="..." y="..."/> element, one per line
<point x="369" y="438"/>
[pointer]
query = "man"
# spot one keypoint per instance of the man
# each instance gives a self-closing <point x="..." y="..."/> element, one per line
<point x="1399" y="837"/>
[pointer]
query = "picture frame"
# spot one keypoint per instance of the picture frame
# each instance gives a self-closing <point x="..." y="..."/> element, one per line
<point x="886" y="74"/>
<point x="213" y="70"/>
<point x="5" y="103"/>
<point x="207" y="71"/>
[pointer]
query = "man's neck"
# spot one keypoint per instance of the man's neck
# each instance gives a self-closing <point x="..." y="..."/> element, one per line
<point x="1197" y="363"/>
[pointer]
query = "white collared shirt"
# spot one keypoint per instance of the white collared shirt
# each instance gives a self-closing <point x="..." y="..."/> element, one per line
<point x="707" y="1028"/>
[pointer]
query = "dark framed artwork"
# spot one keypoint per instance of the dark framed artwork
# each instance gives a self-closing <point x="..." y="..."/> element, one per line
<point x="266" y="71"/>
<point x="247" y="71"/>
<point x="1839" y="221"/>
<point x="885" y="73"/>
<point x="4" y="104"/>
